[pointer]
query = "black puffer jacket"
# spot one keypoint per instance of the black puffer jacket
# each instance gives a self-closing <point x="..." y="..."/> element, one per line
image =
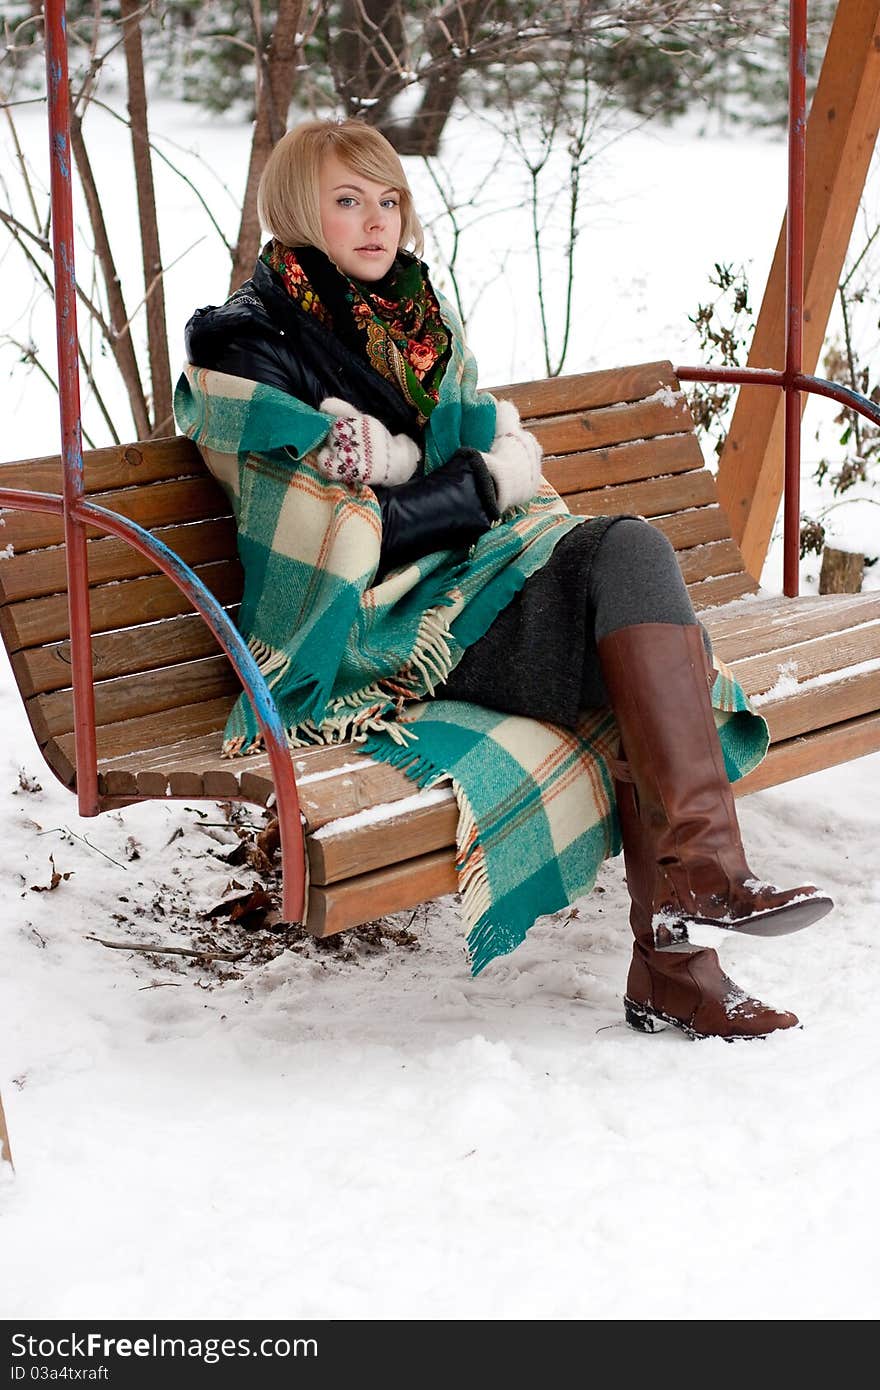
<point x="260" y="334"/>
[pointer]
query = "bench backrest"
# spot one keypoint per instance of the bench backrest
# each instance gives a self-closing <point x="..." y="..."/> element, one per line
<point x="614" y="441"/>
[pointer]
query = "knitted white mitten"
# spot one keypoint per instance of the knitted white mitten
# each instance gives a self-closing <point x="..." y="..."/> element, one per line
<point x="360" y="450"/>
<point x="514" y="460"/>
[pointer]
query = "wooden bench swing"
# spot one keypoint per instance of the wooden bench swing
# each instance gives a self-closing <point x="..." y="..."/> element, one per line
<point x="615" y="441"/>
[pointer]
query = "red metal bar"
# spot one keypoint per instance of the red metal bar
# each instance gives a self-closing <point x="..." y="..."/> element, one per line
<point x="58" y="89"/>
<point x="75" y="512"/>
<point x="232" y="642"/>
<point x="844" y="395"/>
<point x="766" y="376"/>
<point x="17" y="500"/>
<point x="251" y="677"/>
<point x="794" y="291"/>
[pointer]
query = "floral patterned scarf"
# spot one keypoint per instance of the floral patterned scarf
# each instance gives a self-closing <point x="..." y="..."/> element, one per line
<point x="393" y="322"/>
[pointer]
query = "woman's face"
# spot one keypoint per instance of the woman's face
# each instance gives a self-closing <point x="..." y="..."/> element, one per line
<point x="360" y="220"/>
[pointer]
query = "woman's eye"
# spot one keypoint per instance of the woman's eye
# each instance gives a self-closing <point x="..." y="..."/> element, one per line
<point x="345" y="202"/>
<point x="389" y="202"/>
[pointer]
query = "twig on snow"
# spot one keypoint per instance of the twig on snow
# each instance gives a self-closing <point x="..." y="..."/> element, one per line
<point x="147" y="949"/>
<point x="65" y="830"/>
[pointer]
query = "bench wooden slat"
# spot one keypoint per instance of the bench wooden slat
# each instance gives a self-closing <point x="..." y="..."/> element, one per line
<point x="834" y="651"/>
<point x="535" y="399"/>
<point x="184" y="783"/>
<point x="119" y="465"/>
<point x="613" y="424"/>
<point x="201" y="747"/>
<point x="38" y="573"/>
<point x="113" y="606"/>
<point x="315" y="768"/>
<point x="159" y="504"/>
<point x="212" y="784"/>
<point x="353" y="785"/>
<point x="149" y="731"/>
<point x="123" y="698"/>
<point x="336" y="856"/>
<point x="221" y="783"/>
<point x="309" y="763"/>
<point x="653" y="497"/>
<point x="380" y="893"/>
<point x="817" y="706"/>
<point x="322" y="761"/>
<point x="813" y="752"/>
<point x="351" y="791"/>
<point x="709" y="561"/>
<point x="781" y="622"/>
<point x="623" y="463"/>
<point x="707" y="593"/>
<point x="122" y="787"/>
<point x="694" y="526"/>
<point x="119" y="653"/>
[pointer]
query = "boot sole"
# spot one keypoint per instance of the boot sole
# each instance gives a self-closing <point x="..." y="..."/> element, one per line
<point x="643" y="1019"/>
<point x="777" y="921"/>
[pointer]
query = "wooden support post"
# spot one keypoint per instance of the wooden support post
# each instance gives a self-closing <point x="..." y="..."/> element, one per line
<point x="5" y="1146"/>
<point x="842" y="571"/>
<point x="841" y="134"/>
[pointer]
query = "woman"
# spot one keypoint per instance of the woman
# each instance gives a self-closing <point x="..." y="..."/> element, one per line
<point x="535" y="614"/>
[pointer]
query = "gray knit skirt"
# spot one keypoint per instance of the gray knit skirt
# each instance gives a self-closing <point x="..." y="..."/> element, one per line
<point x="539" y="657"/>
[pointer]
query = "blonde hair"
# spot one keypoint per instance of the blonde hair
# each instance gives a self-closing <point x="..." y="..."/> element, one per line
<point x="287" y="198"/>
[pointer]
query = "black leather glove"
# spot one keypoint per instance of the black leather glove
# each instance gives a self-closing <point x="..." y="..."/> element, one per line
<point x="447" y="510"/>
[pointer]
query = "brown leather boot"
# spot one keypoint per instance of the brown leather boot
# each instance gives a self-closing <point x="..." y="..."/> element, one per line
<point x="680" y="986"/>
<point x="657" y="677"/>
<point x="690" y="991"/>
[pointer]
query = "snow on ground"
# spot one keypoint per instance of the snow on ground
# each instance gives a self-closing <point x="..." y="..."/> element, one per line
<point x="361" y="1130"/>
<point x="358" y="1128"/>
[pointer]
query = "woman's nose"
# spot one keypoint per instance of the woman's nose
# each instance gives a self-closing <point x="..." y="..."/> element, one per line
<point x="376" y="217"/>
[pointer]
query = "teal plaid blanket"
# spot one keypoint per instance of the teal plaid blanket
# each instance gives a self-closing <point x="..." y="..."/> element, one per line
<point x="341" y="653"/>
<point x="350" y="659"/>
<point x="536" y="802"/>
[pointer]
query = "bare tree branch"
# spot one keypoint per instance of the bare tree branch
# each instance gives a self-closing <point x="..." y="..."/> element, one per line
<point x="120" y="338"/>
<point x="157" y="331"/>
<point x="30" y="357"/>
<point x="276" y="76"/>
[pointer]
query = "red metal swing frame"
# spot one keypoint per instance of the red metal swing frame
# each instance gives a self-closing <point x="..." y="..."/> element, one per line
<point x="78" y="513"/>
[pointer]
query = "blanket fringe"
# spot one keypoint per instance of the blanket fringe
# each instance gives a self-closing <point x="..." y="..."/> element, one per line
<point x="273" y="662"/>
<point x="483" y="943"/>
<point x="470" y="862"/>
<point x="355" y="728"/>
<point x="432" y="655"/>
<point x="376" y="708"/>
<point x="427" y="667"/>
<point x="417" y="767"/>
<point x="483" y="940"/>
